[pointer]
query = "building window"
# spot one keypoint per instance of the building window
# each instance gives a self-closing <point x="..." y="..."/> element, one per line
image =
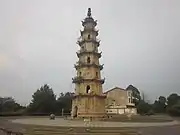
<point x="129" y="94"/>
<point x="88" y="60"/>
<point x="96" y="74"/>
<point x="87" y="89"/>
<point x="129" y="100"/>
<point x="88" y="36"/>
<point x="79" y="73"/>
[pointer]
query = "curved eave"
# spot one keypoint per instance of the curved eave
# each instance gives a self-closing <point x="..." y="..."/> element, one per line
<point x="88" y="80"/>
<point x="88" y="65"/>
<point x="89" y="20"/>
<point x="80" y="42"/>
<point x="85" y="52"/>
<point x="89" y="95"/>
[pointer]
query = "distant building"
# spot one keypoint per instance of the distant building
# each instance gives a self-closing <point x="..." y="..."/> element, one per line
<point x="120" y="101"/>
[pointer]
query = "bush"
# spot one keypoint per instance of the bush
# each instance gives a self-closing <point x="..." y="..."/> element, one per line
<point x="174" y="110"/>
<point x="143" y="107"/>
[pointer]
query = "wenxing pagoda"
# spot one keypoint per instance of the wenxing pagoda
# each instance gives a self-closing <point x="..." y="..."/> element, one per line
<point x="89" y="100"/>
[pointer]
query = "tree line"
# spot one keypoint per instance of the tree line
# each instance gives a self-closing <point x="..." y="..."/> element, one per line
<point x="45" y="102"/>
<point x="169" y="105"/>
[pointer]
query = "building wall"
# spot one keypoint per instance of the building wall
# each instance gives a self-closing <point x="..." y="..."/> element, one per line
<point x="94" y="88"/>
<point x="121" y="110"/>
<point x="93" y="59"/>
<point x="119" y="101"/>
<point x="89" y="72"/>
<point x="119" y="96"/>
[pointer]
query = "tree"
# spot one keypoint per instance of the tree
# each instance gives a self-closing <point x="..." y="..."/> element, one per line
<point x="65" y="102"/>
<point x="8" y="104"/>
<point x="162" y="99"/>
<point x="173" y="104"/>
<point x="135" y="94"/>
<point x="175" y="109"/>
<point x="173" y="99"/>
<point x="143" y="107"/>
<point x="44" y="101"/>
<point x="159" y="105"/>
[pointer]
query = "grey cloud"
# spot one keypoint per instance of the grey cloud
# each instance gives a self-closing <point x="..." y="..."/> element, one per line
<point x="140" y="44"/>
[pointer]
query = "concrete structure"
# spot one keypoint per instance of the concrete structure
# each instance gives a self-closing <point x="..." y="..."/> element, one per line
<point x="89" y="100"/>
<point x="120" y="101"/>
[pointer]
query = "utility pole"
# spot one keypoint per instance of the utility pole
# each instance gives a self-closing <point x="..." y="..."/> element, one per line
<point x="62" y="113"/>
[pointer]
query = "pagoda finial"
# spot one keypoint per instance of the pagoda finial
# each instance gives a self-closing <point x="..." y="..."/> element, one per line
<point x="89" y="12"/>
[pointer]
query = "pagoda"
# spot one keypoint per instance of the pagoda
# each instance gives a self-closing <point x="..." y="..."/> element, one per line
<point x="89" y="100"/>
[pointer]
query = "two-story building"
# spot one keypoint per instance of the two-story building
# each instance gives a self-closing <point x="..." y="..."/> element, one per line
<point x="120" y="101"/>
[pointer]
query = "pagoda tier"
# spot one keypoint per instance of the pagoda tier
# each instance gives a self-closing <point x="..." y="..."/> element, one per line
<point x="89" y="19"/>
<point x="80" y="79"/>
<point x="81" y="65"/>
<point x="81" y="41"/>
<point x="89" y="30"/>
<point x="85" y="52"/>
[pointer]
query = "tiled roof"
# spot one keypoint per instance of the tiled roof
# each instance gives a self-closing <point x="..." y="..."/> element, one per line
<point x="114" y="89"/>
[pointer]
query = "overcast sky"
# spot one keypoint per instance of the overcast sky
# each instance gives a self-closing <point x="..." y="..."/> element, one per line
<point x="140" y="44"/>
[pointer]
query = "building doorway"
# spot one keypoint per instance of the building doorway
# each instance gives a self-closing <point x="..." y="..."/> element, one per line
<point x="75" y="111"/>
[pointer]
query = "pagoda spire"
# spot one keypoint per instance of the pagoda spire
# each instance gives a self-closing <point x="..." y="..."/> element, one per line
<point x="89" y="12"/>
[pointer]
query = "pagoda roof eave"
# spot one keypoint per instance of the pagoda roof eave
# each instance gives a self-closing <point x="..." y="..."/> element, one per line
<point x="90" y="95"/>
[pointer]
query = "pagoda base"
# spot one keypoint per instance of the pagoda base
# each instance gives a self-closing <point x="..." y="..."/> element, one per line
<point x="88" y="107"/>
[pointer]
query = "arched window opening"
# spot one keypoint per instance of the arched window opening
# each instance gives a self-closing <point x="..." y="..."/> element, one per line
<point x="88" y="60"/>
<point x="87" y="89"/>
<point x="129" y="100"/>
<point x="88" y="36"/>
<point x="96" y="74"/>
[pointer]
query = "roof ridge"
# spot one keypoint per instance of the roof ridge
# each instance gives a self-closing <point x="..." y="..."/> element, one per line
<point x="113" y="89"/>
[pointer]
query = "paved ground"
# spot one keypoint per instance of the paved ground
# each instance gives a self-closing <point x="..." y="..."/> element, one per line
<point x="71" y="123"/>
<point x="154" y="129"/>
<point x="164" y="130"/>
<point x="9" y="126"/>
<point x="167" y="130"/>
